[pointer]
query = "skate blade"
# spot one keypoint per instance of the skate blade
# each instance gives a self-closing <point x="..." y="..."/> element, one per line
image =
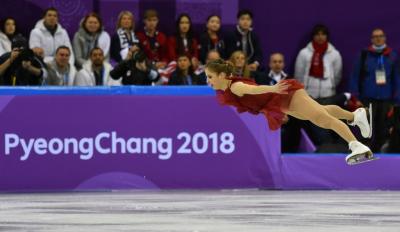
<point x="353" y="161"/>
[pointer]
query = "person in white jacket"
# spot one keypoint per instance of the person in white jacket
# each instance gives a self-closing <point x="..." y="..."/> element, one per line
<point x="96" y="71"/>
<point x="319" y="65"/>
<point x="48" y="35"/>
<point x="9" y="29"/>
<point x="60" y="72"/>
<point x="90" y="35"/>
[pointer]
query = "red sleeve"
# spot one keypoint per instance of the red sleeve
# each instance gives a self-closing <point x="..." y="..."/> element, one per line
<point x="172" y="48"/>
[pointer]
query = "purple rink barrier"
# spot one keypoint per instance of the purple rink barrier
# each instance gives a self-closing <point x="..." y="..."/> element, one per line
<point x="137" y="138"/>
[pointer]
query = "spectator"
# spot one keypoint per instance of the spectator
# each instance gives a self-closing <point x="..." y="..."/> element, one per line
<point x="319" y="65"/>
<point x="153" y="42"/>
<point x="7" y="33"/>
<point x="96" y="71"/>
<point x="90" y="34"/>
<point x="184" y="74"/>
<point x="212" y="55"/>
<point x="375" y="80"/>
<point x="21" y="66"/>
<point x="135" y="71"/>
<point x="60" y="72"/>
<point x="184" y="42"/>
<point x="245" y="39"/>
<point x="276" y="71"/>
<point x="125" y="38"/>
<point x="48" y="35"/>
<point x="212" y="38"/>
<point x="238" y="59"/>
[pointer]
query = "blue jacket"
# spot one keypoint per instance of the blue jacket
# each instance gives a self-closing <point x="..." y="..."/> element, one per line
<point x="363" y="81"/>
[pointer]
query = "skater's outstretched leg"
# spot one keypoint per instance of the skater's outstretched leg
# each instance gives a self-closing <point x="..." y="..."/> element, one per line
<point x="304" y="107"/>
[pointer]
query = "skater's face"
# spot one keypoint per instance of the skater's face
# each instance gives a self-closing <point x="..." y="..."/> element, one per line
<point x="277" y="63"/>
<point x="378" y="37"/>
<point x="215" y="80"/>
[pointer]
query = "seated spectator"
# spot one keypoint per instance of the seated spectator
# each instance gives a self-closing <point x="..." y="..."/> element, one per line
<point x="184" y="74"/>
<point x="96" y="71"/>
<point x="375" y="80"/>
<point x="21" y="66"/>
<point x="48" y="35"/>
<point x="135" y="71"/>
<point x="60" y="72"/>
<point x="245" y="39"/>
<point x="7" y="33"/>
<point x="276" y="71"/>
<point x="212" y="38"/>
<point x="90" y="34"/>
<point x="212" y="55"/>
<point x="238" y="59"/>
<point x="152" y="41"/>
<point x="184" y="42"/>
<point x="125" y="38"/>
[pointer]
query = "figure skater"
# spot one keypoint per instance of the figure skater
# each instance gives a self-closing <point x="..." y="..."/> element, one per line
<point x="289" y="97"/>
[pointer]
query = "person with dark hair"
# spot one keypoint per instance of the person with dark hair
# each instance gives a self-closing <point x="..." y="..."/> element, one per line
<point x="60" y="72"/>
<point x="152" y="41"/>
<point x="96" y="71"/>
<point x="21" y="66"/>
<point x="288" y="97"/>
<point x="124" y="42"/>
<point x="245" y="39"/>
<point x="375" y="80"/>
<point x="184" y="42"/>
<point x="319" y="67"/>
<point x="136" y="70"/>
<point x="184" y="73"/>
<point x="90" y="34"/>
<point x="48" y="35"/>
<point x="7" y="32"/>
<point x="212" y="38"/>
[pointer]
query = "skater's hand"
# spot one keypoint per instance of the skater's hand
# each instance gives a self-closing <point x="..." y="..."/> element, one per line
<point x="281" y="88"/>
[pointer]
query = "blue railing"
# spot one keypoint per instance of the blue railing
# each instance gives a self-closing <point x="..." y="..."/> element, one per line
<point x="113" y="90"/>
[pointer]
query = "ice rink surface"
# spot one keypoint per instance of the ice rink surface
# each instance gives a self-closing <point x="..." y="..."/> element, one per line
<point x="226" y="210"/>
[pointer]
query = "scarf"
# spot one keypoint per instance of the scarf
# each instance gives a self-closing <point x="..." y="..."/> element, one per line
<point x="317" y="63"/>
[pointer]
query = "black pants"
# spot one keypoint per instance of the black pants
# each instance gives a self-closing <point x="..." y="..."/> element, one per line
<point x="380" y="127"/>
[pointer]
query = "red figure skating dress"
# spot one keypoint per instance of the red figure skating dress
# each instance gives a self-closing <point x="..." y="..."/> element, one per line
<point x="271" y="105"/>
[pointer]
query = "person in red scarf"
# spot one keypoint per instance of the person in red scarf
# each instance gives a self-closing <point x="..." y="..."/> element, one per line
<point x="319" y="67"/>
<point x="287" y="97"/>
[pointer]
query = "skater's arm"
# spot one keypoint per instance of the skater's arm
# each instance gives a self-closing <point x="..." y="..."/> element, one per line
<point x="240" y="88"/>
